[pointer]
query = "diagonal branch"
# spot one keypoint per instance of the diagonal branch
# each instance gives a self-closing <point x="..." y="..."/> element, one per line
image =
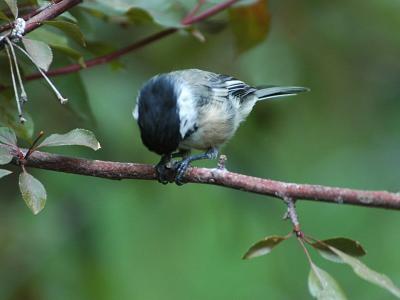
<point x="53" y="10"/>
<point x="188" y="20"/>
<point x="192" y="19"/>
<point x="220" y="177"/>
<point x="35" y="18"/>
<point x="105" y="58"/>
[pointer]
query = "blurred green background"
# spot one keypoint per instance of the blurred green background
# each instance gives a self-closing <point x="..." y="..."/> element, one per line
<point x="100" y="239"/>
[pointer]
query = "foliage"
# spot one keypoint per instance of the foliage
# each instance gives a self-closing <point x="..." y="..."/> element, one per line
<point x="323" y="286"/>
<point x="165" y="14"/>
<point x="32" y="190"/>
<point x="351" y="114"/>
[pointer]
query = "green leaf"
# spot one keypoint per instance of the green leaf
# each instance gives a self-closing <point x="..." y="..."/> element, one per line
<point x="70" y="29"/>
<point x="323" y="286"/>
<point x="56" y="41"/>
<point x="3" y="16"/>
<point x="79" y="100"/>
<point x="366" y="273"/>
<point x="139" y="16"/>
<point x="5" y="156"/>
<point x="7" y="136"/>
<point x="239" y="3"/>
<point x="68" y="17"/>
<point x="12" y="4"/>
<point x="100" y="48"/>
<point x="40" y="52"/>
<point x="81" y="137"/>
<point x="4" y="173"/>
<point x="41" y="3"/>
<point x="9" y="117"/>
<point x="264" y="246"/>
<point x="33" y="192"/>
<point x="94" y="12"/>
<point x="250" y="24"/>
<point x="348" y="246"/>
<point x="163" y="13"/>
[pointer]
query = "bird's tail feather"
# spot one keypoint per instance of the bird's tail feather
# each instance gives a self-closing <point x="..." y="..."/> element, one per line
<point x="279" y="91"/>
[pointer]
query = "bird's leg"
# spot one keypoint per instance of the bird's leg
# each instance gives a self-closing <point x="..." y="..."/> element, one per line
<point x="183" y="165"/>
<point x="181" y="153"/>
<point x="164" y="166"/>
<point x="161" y="169"/>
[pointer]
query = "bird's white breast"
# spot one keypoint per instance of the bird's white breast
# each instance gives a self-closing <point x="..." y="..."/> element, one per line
<point x="215" y="125"/>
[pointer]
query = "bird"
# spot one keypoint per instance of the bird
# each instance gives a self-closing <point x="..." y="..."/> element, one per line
<point x="192" y="109"/>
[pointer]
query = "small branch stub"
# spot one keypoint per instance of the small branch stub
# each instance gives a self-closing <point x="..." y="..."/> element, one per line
<point x="222" y="162"/>
<point x="291" y="214"/>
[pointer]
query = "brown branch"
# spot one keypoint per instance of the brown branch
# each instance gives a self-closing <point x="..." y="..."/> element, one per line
<point x="105" y="58"/>
<point x="188" y="20"/>
<point x="220" y="177"/>
<point x="208" y="13"/>
<point x="35" y="18"/>
<point x="53" y="10"/>
<point x="194" y="11"/>
<point x="117" y="170"/>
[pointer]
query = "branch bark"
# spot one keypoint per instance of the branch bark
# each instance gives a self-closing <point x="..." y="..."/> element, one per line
<point x="35" y="18"/>
<point x="54" y="10"/>
<point x="190" y="19"/>
<point x="105" y="58"/>
<point x="219" y="177"/>
<point x="118" y="170"/>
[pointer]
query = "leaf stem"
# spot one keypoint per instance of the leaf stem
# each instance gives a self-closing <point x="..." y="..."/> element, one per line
<point x="53" y="87"/>
<point x="301" y="242"/>
<point x="32" y="148"/>
<point x="14" y="83"/>
<point x="24" y="96"/>
<point x="188" y="20"/>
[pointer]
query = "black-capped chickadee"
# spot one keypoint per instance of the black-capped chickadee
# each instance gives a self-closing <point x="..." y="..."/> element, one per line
<point x="195" y="109"/>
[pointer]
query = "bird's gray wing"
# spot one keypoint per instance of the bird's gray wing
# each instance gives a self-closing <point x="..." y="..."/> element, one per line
<point x="233" y="87"/>
<point x="217" y="86"/>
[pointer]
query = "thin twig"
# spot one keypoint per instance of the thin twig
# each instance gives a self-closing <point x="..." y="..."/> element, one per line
<point x="277" y="189"/>
<point x="50" y="12"/>
<point x="188" y="20"/>
<point x="32" y="148"/>
<point x="291" y="214"/>
<point x="209" y="12"/>
<point x="14" y="82"/>
<point x="35" y="18"/>
<point x="105" y="58"/>
<point x="194" y="11"/>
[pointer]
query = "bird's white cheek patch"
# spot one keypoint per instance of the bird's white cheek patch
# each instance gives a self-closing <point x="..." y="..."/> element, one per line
<point x="187" y="111"/>
<point x="135" y="112"/>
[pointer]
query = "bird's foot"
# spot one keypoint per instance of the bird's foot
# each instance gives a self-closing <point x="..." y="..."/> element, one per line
<point x="164" y="169"/>
<point x="182" y="166"/>
<point x="180" y="169"/>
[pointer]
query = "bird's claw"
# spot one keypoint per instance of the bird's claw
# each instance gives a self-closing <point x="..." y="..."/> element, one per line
<point x="180" y="169"/>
